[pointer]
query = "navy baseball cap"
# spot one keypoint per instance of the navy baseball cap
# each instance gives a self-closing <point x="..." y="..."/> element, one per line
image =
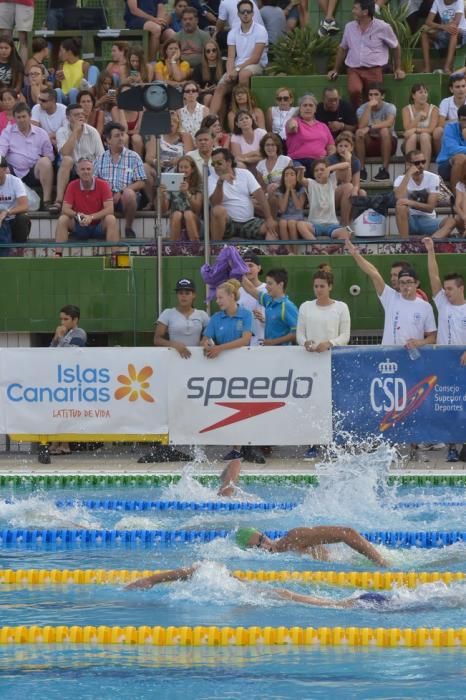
<point x="185" y="284"/>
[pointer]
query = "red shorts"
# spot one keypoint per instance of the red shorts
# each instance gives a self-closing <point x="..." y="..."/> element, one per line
<point x="373" y="146"/>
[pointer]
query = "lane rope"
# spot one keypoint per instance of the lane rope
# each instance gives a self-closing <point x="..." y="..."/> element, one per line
<point x="123" y="480"/>
<point x="112" y="504"/>
<point x="73" y="538"/>
<point x="235" y="636"/>
<point x="375" y="580"/>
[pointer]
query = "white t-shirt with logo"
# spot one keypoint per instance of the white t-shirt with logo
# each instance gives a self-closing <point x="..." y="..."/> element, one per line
<point x="448" y="109"/>
<point x="249" y="302"/>
<point x="451" y="321"/>
<point x="237" y="195"/>
<point x="11" y="189"/>
<point x="405" y="319"/>
<point x="430" y="182"/>
<point x="448" y="12"/>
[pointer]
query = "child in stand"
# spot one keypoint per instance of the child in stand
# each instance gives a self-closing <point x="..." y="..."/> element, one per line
<point x="291" y="201"/>
<point x="184" y="206"/>
<point x="321" y="196"/>
<point x="8" y="99"/>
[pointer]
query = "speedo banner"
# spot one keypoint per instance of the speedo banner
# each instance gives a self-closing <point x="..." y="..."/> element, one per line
<point x="258" y="396"/>
<point x="74" y="390"/>
<point x="382" y="391"/>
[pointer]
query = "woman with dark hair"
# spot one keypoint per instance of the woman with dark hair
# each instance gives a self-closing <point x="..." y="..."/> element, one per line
<point x="193" y="112"/>
<point x="210" y="71"/>
<point x="35" y="83"/>
<point x="94" y="117"/>
<point x="220" y="137"/>
<point x="118" y="66"/>
<point x="40" y="52"/>
<point x="306" y="138"/>
<point x="171" y="68"/>
<point x="105" y="94"/>
<point x="8" y="99"/>
<point x="323" y="323"/>
<point x="184" y="206"/>
<point x="246" y="139"/>
<point x="273" y="162"/>
<point x="137" y="70"/>
<point x="11" y="66"/>
<point x="74" y="73"/>
<point x="419" y="121"/>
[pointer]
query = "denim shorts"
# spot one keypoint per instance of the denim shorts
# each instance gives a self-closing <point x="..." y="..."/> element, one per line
<point x="325" y="229"/>
<point x="423" y="225"/>
<point x="83" y="233"/>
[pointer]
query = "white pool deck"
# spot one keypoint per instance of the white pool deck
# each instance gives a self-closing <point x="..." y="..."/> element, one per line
<point x="117" y="459"/>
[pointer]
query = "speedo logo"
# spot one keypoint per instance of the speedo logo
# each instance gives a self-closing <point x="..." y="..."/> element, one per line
<point x="248" y="396"/>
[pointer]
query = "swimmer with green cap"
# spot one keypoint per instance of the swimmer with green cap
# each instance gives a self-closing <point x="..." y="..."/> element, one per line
<point x="310" y="540"/>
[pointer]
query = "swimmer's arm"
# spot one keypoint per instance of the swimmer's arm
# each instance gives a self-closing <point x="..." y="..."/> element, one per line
<point x="312" y="600"/>
<point x="162" y="577"/>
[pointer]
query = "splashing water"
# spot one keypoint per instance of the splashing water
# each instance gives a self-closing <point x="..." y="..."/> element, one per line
<point x="40" y="511"/>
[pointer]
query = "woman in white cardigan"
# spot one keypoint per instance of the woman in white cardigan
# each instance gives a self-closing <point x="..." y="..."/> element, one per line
<point x="323" y="323"/>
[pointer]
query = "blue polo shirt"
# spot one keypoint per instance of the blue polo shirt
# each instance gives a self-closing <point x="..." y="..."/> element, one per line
<point x="281" y="316"/>
<point x="223" y="328"/>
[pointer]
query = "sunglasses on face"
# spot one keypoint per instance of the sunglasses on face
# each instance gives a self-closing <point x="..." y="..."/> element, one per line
<point x="419" y="162"/>
<point x="283" y="98"/>
<point x="211" y="50"/>
<point x="245" y="12"/>
<point x="190" y="90"/>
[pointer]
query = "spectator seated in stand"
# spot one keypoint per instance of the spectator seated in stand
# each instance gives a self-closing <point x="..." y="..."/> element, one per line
<point x="344" y="144"/>
<point x="203" y="153"/>
<point x="131" y="120"/>
<point x="419" y="122"/>
<point x="14" y="221"/>
<point x="174" y="20"/>
<point x="94" y="117"/>
<point x="209" y="72"/>
<point x="321" y="195"/>
<point x="458" y="221"/>
<point x="232" y="208"/>
<point x="8" y="99"/>
<point x="87" y="210"/>
<point x="124" y="171"/>
<point x="11" y="66"/>
<point x="247" y="53"/>
<point x="153" y="18"/>
<point x="184" y="206"/>
<point x="191" y="39"/>
<point x="270" y="168"/>
<point x="170" y="68"/>
<point x="137" y="70"/>
<point x="49" y="115"/>
<point x="193" y="112"/>
<point x="338" y="114"/>
<point x="291" y="197"/>
<point x="40" y="54"/>
<point x="447" y="34"/>
<point x="279" y="114"/>
<point x="118" y="66"/>
<point x="448" y="108"/>
<point x="74" y="74"/>
<point x="245" y="141"/>
<point x="306" y="138"/>
<point x="75" y="140"/>
<point x="241" y="98"/>
<point x="28" y="151"/>
<point x="375" y="135"/>
<point x="172" y="146"/>
<point x="106" y="96"/>
<point x="452" y="154"/>
<point x="36" y="83"/>
<point x="220" y="137"/>
<point x="417" y="195"/>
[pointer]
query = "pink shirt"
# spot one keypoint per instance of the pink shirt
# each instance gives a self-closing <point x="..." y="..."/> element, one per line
<point x="4" y="120"/>
<point x="369" y="48"/>
<point x="244" y="145"/>
<point x="23" y="151"/>
<point x="310" y="141"/>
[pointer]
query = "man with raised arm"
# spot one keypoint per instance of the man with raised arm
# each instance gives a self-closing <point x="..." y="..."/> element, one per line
<point x="451" y="305"/>
<point x="409" y="320"/>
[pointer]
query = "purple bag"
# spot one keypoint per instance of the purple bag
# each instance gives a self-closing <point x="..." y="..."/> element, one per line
<point x="228" y="265"/>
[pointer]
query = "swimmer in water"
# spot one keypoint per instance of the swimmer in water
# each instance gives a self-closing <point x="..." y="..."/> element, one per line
<point x="310" y="540"/>
<point x="229" y="478"/>
<point x="183" y="574"/>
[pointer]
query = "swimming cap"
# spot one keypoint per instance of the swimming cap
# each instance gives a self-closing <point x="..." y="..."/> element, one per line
<point x="243" y="535"/>
<point x="375" y="598"/>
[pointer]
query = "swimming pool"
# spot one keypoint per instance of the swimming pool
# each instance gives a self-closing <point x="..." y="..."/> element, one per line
<point x="351" y="493"/>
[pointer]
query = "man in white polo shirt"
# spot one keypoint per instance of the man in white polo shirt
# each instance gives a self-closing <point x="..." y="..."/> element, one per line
<point x="230" y="192"/>
<point x="451" y="305"/>
<point x="247" y="54"/>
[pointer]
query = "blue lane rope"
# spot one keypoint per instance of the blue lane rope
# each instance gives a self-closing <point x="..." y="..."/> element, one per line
<point x="112" y="504"/>
<point x="54" y="538"/>
<point x="435" y="504"/>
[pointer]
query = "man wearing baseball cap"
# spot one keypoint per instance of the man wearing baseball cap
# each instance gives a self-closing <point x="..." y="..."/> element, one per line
<point x="14" y="221"/>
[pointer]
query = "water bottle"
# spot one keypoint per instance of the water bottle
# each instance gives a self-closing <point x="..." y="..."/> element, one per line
<point x="414" y="353"/>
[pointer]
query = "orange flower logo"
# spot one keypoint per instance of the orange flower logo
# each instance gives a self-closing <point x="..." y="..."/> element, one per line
<point x="135" y="384"/>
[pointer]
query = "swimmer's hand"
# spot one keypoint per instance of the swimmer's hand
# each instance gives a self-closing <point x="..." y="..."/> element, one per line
<point x="161" y="577"/>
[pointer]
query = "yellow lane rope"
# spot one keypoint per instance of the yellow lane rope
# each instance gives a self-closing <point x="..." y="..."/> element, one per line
<point x="376" y="580"/>
<point x="236" y="636"/>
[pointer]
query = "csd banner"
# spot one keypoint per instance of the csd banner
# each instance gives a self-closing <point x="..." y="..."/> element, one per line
<point x="99" y="390"/>
<point x="381" y="391"/>
<point x="258" y="395"/>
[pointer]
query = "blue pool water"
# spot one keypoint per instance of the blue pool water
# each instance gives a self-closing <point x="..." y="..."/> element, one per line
<point x="352" y="491"/>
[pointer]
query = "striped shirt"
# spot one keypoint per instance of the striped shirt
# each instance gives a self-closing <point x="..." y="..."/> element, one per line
<point x="88" y="145"/>
<point x="128" y="168"/>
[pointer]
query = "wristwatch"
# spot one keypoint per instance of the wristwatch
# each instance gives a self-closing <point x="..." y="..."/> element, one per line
<point x="237" y="69"/>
